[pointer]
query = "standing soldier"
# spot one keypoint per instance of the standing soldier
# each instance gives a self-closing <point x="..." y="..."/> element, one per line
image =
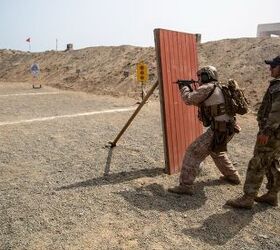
<point x="267" y="149"/>
<point x="211" y="102"/>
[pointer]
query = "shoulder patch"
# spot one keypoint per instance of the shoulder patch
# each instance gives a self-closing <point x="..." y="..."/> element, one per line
<point x="274" y="88"/>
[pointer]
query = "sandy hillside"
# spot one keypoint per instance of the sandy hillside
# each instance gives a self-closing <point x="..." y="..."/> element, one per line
<point x="100" y="70"/>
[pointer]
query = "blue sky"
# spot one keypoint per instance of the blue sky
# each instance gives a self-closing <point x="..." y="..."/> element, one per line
<point x="87" y="23"/>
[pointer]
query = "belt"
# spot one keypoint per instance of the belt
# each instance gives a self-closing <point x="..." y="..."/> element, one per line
<point x="220" y="125"/>
<point x="217" y="109"/>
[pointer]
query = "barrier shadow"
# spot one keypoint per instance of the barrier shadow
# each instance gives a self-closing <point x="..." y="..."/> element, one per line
<point x="156" y="197"/>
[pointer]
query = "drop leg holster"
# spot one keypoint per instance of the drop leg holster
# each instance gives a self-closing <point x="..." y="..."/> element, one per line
<point x="223" y="133"/>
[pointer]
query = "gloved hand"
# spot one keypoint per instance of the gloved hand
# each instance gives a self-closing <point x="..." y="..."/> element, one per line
<point x="181" y="85"/>
<point x="236" y="128"/>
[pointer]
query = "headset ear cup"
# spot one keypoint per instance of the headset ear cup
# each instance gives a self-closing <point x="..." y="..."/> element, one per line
<point x="204" y="78"/>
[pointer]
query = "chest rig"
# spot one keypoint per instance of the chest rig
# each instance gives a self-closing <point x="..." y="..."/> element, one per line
<point x="206" y="114"/>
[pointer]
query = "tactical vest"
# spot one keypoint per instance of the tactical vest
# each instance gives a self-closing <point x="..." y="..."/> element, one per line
<point x="206" y="113"/>
<point x="235" y="103"/>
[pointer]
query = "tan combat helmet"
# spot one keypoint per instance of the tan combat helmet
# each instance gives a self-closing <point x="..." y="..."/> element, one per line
<point x="208" y="74"/>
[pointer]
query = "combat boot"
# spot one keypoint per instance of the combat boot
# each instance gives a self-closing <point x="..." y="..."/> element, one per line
<point x="182" y="189"/>
<point x="245" y="201"/>
<point x="270" y="198"/>
<point x="232" y="179"/>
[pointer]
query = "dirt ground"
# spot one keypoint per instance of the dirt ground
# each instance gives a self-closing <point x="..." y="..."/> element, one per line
<point x="61" y="188"/>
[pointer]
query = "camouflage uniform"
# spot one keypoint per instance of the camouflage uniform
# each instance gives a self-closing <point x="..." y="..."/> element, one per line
<point x="265" y="160"/>
<point x="266" y="157"/>
<point x="209" y="95"/>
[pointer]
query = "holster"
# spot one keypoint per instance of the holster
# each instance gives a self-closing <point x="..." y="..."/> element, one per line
<point x="223" y="133"/>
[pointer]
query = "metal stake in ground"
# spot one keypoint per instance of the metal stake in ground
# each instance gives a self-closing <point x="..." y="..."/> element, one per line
<point x="150" y="92"/>
<point x="142" y="91"/>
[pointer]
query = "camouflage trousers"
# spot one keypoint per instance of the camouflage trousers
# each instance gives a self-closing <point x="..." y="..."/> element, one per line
<point x="196" y="154"/>
<point x="265" y="162"/>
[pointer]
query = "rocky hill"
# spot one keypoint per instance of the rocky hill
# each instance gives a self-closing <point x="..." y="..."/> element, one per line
<point x="100" y="70"/>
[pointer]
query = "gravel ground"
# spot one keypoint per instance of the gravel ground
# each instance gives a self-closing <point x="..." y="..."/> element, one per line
<point x="60" y="188"/>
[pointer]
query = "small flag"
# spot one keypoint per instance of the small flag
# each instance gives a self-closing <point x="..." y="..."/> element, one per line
<point x="28" y="40"/>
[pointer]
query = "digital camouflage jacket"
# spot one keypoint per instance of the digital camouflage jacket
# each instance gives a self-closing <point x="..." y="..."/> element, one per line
<point x="269" y="112"/>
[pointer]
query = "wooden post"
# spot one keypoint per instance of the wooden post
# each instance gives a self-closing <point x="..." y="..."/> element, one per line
<point x="113" y="144"/>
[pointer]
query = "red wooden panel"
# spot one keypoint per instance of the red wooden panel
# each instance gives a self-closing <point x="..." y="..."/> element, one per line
<point x="176" y="59"/>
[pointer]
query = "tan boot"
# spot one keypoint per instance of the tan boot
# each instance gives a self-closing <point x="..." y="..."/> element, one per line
<point x="182" y="189"/>
<point x="269" y="198"/>
<point x="245" y="201"/>
<point x="232" y="179"/>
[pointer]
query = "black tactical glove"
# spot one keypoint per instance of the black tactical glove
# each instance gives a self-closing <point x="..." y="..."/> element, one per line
<point x="181" y="85"/>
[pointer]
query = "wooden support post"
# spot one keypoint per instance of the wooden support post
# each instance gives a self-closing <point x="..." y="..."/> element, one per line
<point x="113" y="144"/>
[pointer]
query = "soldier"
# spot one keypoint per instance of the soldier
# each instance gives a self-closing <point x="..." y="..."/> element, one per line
<point x="265" y="160"/>
<point x="211" y="102"/>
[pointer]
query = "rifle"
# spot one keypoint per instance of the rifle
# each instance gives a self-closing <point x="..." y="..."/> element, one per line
<point x="186" y="83"/>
